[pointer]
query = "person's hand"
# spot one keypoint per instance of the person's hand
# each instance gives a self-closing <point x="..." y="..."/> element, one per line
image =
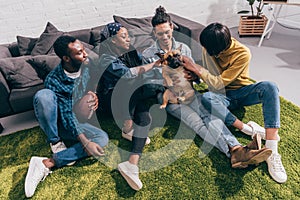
<point x="190" y="76"/>
<point x="188" y="63"/>
<point x="93" y="103"/>
<point x="157" y="63"/>
<point x="93" y="149"/>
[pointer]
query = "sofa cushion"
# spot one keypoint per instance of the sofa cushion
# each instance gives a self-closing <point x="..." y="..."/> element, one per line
<point x="26" y="44"/>
<point x="4" y="52"/>
<point x="43" y="64"/>
<point x="21" y="99"/>
<point x="14" y="49"/>
<point x="19" y="73"/>
<point x="140" y="30"/>
<point x="133" y="23"/>
<point x="83" y="35"/>
<point x="95" y="35"/>
<point x="46" y="40"/>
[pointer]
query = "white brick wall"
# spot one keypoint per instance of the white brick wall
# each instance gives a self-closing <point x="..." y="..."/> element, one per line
<point x="29" y="18"/>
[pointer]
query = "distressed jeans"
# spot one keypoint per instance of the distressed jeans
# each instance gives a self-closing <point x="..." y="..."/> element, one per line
<point x="46" y="111"/>
<point x="210" y="128"/>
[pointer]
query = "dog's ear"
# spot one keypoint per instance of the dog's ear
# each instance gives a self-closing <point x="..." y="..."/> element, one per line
<point x="179" y="48"/>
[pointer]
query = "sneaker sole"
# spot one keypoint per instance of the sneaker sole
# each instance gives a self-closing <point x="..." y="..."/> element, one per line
<point x="130" y="182"/>
<point x="71" y="163"/>
<point x="255" y="160"/>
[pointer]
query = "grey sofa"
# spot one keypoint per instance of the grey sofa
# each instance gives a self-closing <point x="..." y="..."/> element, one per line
<point x="24" y="64"/>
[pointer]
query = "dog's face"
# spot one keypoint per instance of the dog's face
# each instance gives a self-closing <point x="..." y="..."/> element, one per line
<point x="172" y="58"/>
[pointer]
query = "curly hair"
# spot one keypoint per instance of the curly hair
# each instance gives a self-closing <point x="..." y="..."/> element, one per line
<point x="160" y="17"/>
<point x="61" y="45"/>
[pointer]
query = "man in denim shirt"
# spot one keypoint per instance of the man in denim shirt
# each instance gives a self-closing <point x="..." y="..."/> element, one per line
<point x="53" y="106"/>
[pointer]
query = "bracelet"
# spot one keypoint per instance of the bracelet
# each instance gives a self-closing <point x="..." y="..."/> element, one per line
<point x="84" y="146"/>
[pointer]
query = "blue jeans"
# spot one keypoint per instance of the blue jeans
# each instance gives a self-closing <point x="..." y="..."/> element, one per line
<point x="264" y="92"/>
<point x="46" y="111"/>
<point x="211" y="129"/>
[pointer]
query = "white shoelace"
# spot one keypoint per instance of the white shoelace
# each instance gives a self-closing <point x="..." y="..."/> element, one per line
<point x="277" y="166"/>
<point x="43" y="173"/>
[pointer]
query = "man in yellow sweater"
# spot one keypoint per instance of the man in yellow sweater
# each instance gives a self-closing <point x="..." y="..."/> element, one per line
<point x="226" y="72"/>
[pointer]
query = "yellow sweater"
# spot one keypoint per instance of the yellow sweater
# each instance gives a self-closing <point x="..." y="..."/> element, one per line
<point x="229" y="70"/>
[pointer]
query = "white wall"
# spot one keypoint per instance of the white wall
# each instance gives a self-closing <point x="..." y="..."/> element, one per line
<point x="29" y="17"/>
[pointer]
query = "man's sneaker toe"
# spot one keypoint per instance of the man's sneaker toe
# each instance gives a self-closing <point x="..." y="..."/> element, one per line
<point x="36" y="173"/>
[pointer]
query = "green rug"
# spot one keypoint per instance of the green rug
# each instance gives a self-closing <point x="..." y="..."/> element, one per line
<point x="173" y="167"/>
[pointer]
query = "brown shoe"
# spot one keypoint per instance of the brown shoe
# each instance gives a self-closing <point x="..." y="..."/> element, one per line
<point x="256" y="143"/>
<point x="241" y="157"/>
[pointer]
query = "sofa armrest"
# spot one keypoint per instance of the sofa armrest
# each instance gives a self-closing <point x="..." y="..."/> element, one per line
<point x="5" y="107"/>
<point x="188" y="32"/>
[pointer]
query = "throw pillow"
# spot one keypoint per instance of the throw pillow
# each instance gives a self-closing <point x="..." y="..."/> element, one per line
<point x="19" y="73"/>
<point x="95" y="35"/>
<point x="4" y="52"/>
<point x="46" y="40"/>
<point x="140" y="30"/>
<point x="14" y="49"/>
<point x="133" y="23"/>
<point x="26" y="44"/>
<point x="43" y="64"/>
<point x="83" y="35"/>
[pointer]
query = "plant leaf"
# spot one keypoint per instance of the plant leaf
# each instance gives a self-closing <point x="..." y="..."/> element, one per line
<point x="243" y="12"/>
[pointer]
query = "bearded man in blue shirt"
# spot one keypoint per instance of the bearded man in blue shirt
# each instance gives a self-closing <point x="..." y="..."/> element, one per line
<point x="64" y="86"/>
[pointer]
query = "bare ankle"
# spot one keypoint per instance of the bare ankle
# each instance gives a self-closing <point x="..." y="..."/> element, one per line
<point x="49" y="162"/>
<point x="127" y="126"/>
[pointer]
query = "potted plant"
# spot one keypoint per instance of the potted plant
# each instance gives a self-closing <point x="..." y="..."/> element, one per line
<point x="255" y="23"/>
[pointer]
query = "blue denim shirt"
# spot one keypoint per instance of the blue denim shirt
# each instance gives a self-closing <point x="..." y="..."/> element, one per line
<point x="68" y="91"/>
<point x="113" y="70"/>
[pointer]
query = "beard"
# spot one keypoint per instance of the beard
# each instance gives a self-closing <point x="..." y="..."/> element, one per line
<point x="76" y="64"/>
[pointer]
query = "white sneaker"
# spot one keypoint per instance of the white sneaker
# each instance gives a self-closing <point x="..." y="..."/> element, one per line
<point x="276" y="168"/>
<point x="128" y="136"/>
<point x="36" y="173"/>
<point x="131" y="174"/>
<point x="257" y="129"/>
<point x="60" y="146"/>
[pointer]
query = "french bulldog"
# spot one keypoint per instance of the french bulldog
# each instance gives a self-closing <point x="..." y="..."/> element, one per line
<point x="178" y="89"/>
